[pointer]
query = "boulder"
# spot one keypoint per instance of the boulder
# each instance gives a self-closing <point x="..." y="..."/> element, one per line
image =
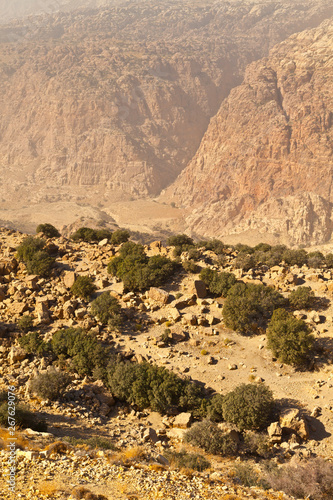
<point x="275" y="432"/>
<point x="186" y="301"/>
<point x="292" y="422"/>
<point x="69" y="278"/>
<point x="189" y="319"/>
<point x="16" y="354"/>
<point x="199" y="288"/>
<point x="43" y="313"/>
<point x="158" y="295"/>
<point x="150" y="435"/>
<point x="183" y="420"/>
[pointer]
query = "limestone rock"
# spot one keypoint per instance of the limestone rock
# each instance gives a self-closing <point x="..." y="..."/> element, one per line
<point x="158" y="295"/>
<point x="183" y="420"/>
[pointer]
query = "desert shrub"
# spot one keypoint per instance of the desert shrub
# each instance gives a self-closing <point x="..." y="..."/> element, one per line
<point x="93" y="442"/>
<point x="86" y="353"/>
<point x="208" y="436"/>
<point x="84" y="234"/>
<point x="301" y="298"/>
<point x="256" y="444"/>
<point x="262" y="247"/>
<point x="137" y="271"/>
<point x="33" y="343"/>
<point x="48" y="230"/>
<point x="248" y="306"/>
<point x="80" y="492"/>
<point x="36" y="260"/>
<point x="83" y="287"/>
<point x="295" y="257"/>
<point x="289" y="338"/>
<point x="241" y="248"/>
<point x="194" y="254"/>
<point x="329" y="260"/>
<point x="180" y="240"/>
<point x="248" y="476"/>
<point x="214" y="245"/>
<point x="50" y="385"/>
<point x="120" y="236"/>
<point x="107" y="310"/>
<point x="103" y="234"/>
<point x="249" y="406"/>
<point x="316" y="259"/>
<point x="307" y="479"/>
<point x="214" y="409"/>
<point x="244" y="261"/>
<point x="183" y="459"/>
<point x="190" y="266"/>
<point x="25" y="323"/>
<point x="150" y="386"/>
<point x="24" y="418"/>
<point x="218" y="283"/>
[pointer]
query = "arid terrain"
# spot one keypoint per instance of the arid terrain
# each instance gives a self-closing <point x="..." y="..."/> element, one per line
<point x="202" y="349"/>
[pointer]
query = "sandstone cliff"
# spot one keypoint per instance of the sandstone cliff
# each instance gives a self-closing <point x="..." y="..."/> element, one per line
<point x="112" y="102"/>
<point x="265" y="164"/>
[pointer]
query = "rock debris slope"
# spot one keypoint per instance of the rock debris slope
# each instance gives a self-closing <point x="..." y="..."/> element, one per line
<point x="264" y="167"/>
<point x="110" y="102"/>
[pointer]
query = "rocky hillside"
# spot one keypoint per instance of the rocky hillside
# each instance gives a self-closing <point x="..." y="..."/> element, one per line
<point x="264" y="167"/>
<point x="99" y="441"/>
<point x="104" y="103"/>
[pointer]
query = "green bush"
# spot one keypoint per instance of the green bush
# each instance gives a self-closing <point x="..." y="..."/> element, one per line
<point x="262" y="247"/>
<point x="316" y="259"/>
<point x="190" y="266"/>
<point x="180" y="240"/>
<point x="208" y="436"/>
<point x="183" y="459"/>
<point x="33" y="343"/>
<point x="107" y="310"/>
<point x="137" y="271"/>
<point x="48" y="230"/>
<point x="120" y="236"/>
<point x="248" y="306"/>
<point x="83" y="287"/>
<point x="244" y="261"/>
<point x="295" y="257"/>
<point x="84" y="350"/>
<point x="241" y="248"/>
<point x="214" y="245"/>
<point x="84" y="234"/>
<point x="289" y="338"/>
<point x="218" y="283"/>
<point x="25" y="323"/>
<point x="50" y="385"/>
<point x="214" y="408"/>
<point x="36" y="260"/>
<point x="249" y="406"/>
<point x="151" y="386"/>
<point x="329" y="260"/>
<point x="301" y="298"/>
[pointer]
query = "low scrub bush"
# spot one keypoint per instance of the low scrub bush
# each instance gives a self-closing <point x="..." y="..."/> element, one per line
<point x="93" y="442"/>
<point x="48" y="230"/>
<point x="214" y="408"/>
<point x="301" y="298"/>
<point x="85" y="352"/>
<point x="120" y="236"/>
<point x="248" y="476"/>
<point x="50" y="385"/>
<point x="214" y="245"/>
<point x="295" y="257"/>
<point x="249" y="406"/>
<point x="218" y="283"/>
<point x="208" y="436"/>
<point x="244" y="261"/>
<point x="249" y="306"/>
<point x="185" y="460"/>
<point x="107" y="310"/>
<point x="37" y="261"/>
<point x="137" y="271"/>
<point x="307" y="479"/>
<point x="151" y="386"/>
<point x="25" y="323"/>
<point x="190" y="266"/>
<point x="316" y="259"/>
<point x="289" y="338"/>
<point x="256" y="444"/>
<point x="33" y="343"/>
<point x="83" y="287"/>
<point x="329" y="260"/>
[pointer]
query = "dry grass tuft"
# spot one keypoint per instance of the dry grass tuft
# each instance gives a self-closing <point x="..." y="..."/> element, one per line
<point x="21" y="442"/>
<point x="58" y="448"/>
<point x="129" y="456"/>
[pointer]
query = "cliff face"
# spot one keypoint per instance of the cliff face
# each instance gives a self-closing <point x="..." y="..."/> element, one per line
<point x="265" y="164"/>
<point x="113" y="102"/>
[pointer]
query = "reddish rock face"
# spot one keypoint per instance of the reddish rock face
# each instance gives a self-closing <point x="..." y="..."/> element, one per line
<point x="112" y="104"/>
<point x="265" y="163"/>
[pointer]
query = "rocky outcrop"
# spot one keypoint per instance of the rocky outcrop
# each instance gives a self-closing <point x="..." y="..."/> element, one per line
<point x="108" y="103"/>
<point x="264" y="166"/>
